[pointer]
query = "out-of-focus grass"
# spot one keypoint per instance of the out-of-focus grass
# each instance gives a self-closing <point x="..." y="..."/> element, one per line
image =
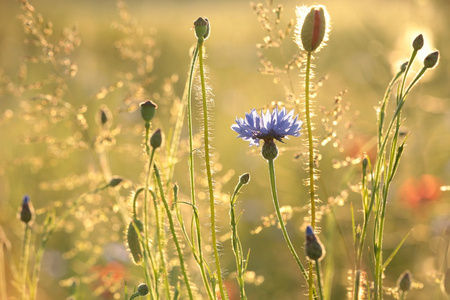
<point x="368" y="40"/>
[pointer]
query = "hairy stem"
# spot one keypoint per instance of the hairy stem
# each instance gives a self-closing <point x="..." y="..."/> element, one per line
<point x="209" y="175"/>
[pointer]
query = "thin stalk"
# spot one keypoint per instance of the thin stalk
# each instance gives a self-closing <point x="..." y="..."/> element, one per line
<point x="159" y="239"/>
<point x="236" y="243"/>
<point x="209" y="175"/>
<point x="25" y="259"/>
<point x="319" y="280"/>
<point x="311" y="163"/>
<point x="172" y="230"/>
<point x="280" y="219"/>
<point x="196" y="226"/>
<point x="146" y="231"/>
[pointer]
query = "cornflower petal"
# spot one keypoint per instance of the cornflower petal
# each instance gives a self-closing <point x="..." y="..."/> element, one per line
<point x="266" y="126"/>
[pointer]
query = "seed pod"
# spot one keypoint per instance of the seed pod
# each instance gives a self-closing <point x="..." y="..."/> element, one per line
<point x="148" y="110"/>
<point x="133" y="240"/>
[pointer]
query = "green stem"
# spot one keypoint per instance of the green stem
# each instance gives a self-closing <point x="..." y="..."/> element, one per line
<point x="159" y="239"/>
<point x="280" y="219"/>
<point x="236" y="244"/>
<point x="197" y="227"/>
<point x="172" y="230"/>
<point x="148" y="255"/>
<point x="209" y="174"/>
<point x="319" y="280"/>
<point x="25" y="259"/>
<point x="311" y="162"/>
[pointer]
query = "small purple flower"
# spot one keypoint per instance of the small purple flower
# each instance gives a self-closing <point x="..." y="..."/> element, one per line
<point x="267" y="126"/>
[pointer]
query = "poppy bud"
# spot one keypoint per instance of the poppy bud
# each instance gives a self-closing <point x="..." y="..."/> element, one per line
<point x="431" y="60"/>
<point x="115" y="181"/>
<point x="244" y="179"/>
<point x="142" y="289"/>
<point x="156" y="139"/>
<point x="313" y="28"/>
<point x="418" y="42"/>
<point x="405" y="281"/>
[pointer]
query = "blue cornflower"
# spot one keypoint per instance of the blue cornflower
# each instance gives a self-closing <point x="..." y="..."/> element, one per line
<point x="267" y="126"/>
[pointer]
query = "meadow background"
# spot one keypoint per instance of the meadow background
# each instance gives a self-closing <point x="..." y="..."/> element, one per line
<point x="47" y="157"/>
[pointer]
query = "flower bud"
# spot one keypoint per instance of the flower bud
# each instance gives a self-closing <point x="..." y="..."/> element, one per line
<point x="115" y="181"/>
<point x="27" y="212"/>
<point x="134" y="245"/>
<point x="404" y="282"/>
<point x="313" y="248"/>
<point x="418" y="42"/>
<point x="403" y="66"/>
<point x="142" y="289"/>
<point x="244" y="179"/>
<point x="148" y="109"/>
<point x="104" y="117"/>
<point x="269" y="150"/>
<point x="202" y="28"/>
<point x="156" y="139"/>
<point x="431" y="60"/>
<point x="313" y="28"/>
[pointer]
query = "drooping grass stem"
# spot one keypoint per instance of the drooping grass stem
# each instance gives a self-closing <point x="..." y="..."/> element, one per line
<point x="209" y="173"/>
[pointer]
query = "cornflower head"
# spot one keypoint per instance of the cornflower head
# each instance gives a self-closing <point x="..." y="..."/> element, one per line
<point x="268" y="126"/>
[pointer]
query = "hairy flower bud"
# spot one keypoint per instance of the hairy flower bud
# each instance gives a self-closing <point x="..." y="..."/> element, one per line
<point x="148" y="110"/>
<point x="142" y="289"/>
<point x="245" y="178"/>
<point x="269" y="150"/>
<point x="404" y="282"/>
<point x="431" y="60"/>
<point x="156" y="139"/>
<point x="134" y="245"/>
<point x="312" y="27"/>
<point x="27" y="211"/>
<point x="115" y="181"/>
<point x="418" y="42"/>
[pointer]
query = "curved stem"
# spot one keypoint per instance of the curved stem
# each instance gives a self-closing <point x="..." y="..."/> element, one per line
<point x="280" y="218"/>
<point x="209" y="175"/>
<point x="172" y="230"/>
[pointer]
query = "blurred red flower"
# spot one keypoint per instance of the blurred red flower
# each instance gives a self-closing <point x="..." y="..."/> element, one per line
<point x="416" y="192"/>
<point x="108" y="279"/>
